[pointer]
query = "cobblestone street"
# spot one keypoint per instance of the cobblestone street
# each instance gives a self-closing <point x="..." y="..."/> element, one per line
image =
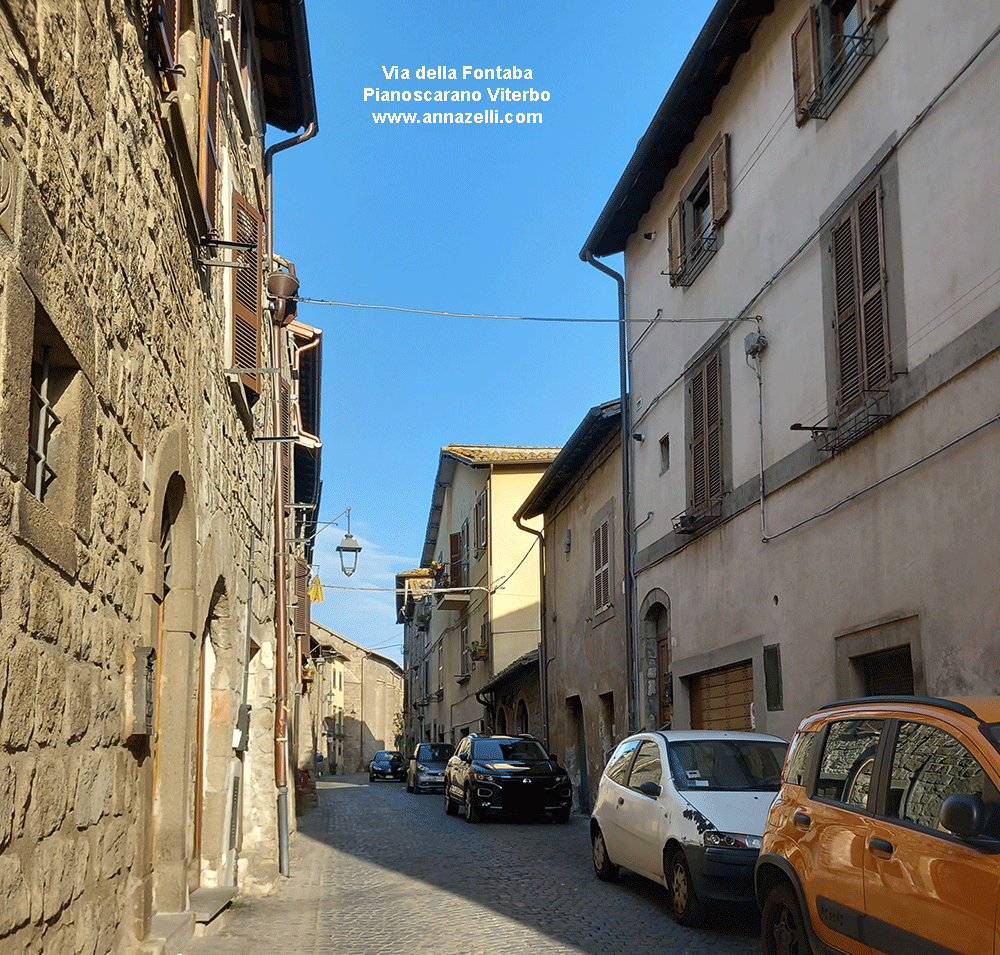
<point x="377" y="870"/>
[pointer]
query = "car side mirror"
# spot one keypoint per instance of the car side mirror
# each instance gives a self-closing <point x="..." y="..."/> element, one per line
<point x="650" y="789"/>
<point x="964" y="815"/>
<point x="464" y="757"/>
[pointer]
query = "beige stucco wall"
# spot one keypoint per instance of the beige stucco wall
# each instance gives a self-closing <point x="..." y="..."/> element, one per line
<point x="919" y="544"/>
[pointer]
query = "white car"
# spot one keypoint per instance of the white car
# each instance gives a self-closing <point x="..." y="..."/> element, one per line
<point x="686" y="808"/>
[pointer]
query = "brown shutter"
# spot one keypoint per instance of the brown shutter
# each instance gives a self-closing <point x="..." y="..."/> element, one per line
<point x="874" y="327"/>
<point x="302" y="609"/>
<point x="246" y="331"/>
<point x="805" y="65"/>
<point x="165" y="22"/>
<point x="602" y="567"/>
<point x="713" y="427"/>
<point x="285" y="409"/>
<point x="698" y="481"/>
<point x="455" y="566"/>
<point x="208" y="146"/>
<point x="675" y="226"/>
<point x="719" y="181"/>
<point x="721" y="699"/>
<point x="846" y="324"/>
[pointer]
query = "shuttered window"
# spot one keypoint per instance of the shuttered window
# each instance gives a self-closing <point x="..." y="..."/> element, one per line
<point x="718" y="180"/>
<point x="805" y="65"/>
<point x="706" y="433"/>
<point x="602" y="566"/>
<point x="285" y="409"/>
<point x="860" y="324"/>
<point x="165" y="20"/>
<point x="455" y="565"/>
<point x="302" y="609"/>
<point x="246" y="317"/>
<point x="208" y="145"/>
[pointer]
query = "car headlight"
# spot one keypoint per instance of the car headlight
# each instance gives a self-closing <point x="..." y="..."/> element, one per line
<point x="422" y="767"/>
<point x="731" y="840"/>
<point x="484" y="778"/>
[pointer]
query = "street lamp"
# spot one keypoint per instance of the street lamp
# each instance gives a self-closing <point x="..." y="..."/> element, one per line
<point x="348" y="548"/>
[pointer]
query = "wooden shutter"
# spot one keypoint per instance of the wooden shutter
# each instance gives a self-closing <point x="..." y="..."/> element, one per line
<point x="165" y="28"/>
<point x="874" y="327"/>
<point x="719" y="181"/>
<point x="846" y="325"/>
<point x="602" y="567"/>
<point x="706" y="433"/>
<point x="455" y="566"/>
<point x="246" y="317"/>
<point x="208" y="145"/>
<point x="805" y="65"/>
<point x="285" y="410"/>
<point x="860" y="320"/>
<point x="302" y="609"/>
<point x="675" y="226"/>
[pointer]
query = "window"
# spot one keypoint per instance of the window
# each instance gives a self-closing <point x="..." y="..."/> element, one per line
<point x="647" y="767"/>
<point x="618" y="766"/>
<point x="830" y="48"/>
<point x="481" y="519"/>
<point x="864" y="365"/>
<point x="797" y="765"/>
<point x="928" y="766"/>
<point x="465" y="648"/>
<point x="464" y="555"/>
<point x="167" y="20"/>
<point x="602" y="567"/>
<point x="208" y="144"/>
<point x="53" y="381"/>
<point x="694" y="224"/>
<point x="705" y="389"/>
<point x="664" y="454"/>
<point x="845" y="770"/>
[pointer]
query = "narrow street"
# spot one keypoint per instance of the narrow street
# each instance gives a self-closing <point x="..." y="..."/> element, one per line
<point x="377" y="870"/>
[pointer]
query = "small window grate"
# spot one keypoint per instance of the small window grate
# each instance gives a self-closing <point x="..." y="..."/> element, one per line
<point x="44" y="421"/>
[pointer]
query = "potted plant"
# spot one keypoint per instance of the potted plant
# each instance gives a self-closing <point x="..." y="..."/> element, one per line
<point x="478" y="650"/>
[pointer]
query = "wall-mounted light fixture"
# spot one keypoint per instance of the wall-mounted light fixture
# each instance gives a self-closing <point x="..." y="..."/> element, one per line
<point x="348" y="548"/>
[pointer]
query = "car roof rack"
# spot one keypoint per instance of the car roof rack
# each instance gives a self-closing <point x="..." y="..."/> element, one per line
<point x="937" y="701"/>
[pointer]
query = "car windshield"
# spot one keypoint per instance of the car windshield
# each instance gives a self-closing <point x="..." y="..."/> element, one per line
<point x="436" y="753"/>
<point x="733" y="765"/>
<point x="385" y="755"/>
<point x="500" y="750"/>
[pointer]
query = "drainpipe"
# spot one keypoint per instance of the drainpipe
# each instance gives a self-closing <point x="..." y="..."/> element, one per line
<point x="631" y="654"/>
<point x="543" y="647"/>
<point x="280" y="545"/>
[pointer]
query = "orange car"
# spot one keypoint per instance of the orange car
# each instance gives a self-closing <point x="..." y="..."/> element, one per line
<point x="885" y="834"/>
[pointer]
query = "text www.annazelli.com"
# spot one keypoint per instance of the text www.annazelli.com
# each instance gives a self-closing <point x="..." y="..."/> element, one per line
<point x="486" y="117"/>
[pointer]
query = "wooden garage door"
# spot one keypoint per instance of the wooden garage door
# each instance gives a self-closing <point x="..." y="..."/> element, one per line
<point x="721" y="699"/>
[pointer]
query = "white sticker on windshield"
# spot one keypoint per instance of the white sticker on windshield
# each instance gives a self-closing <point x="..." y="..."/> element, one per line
<point x="693" y="774"/>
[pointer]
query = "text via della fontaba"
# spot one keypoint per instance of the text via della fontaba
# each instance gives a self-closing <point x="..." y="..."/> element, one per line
<point x="522" y="92"/>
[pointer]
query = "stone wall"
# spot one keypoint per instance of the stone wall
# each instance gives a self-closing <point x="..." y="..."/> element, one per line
<point x="98" y="823"/>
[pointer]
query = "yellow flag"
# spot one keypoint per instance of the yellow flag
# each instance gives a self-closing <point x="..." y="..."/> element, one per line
<point x="316" y="590"/>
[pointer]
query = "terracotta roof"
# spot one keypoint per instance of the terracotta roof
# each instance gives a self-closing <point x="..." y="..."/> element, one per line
<point x="491" y="454"/>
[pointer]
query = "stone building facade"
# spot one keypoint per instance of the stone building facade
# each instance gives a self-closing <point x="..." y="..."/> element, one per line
<point x="144" y="620"/>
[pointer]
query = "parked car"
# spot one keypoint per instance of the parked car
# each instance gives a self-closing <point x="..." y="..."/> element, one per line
<point x="886" y="832"/>
<point x="387" y="764"/>
<point x="512" y="775"/>
<point x="426" y="768"/>
<point x="687" y="809"/>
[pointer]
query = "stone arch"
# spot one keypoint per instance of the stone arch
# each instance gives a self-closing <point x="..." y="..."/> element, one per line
<point x="654" y="660"/>
<point x="501" y="721"/>
<point x="522" y="717"/>
<point x="167" y="615"/>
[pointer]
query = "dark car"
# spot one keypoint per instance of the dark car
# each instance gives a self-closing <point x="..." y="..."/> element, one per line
<point x="427" y="765"/>
<point x="506" y="775"/>
<point x="386" y="764"/>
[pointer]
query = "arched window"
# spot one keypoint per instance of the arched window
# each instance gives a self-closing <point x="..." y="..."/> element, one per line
<point x="522" y="717"/>
<point x="501" y="722"/>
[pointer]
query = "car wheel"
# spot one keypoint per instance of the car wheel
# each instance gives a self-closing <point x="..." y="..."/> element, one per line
<point x="409" y="785"/>
<point x="684" y="903"/>
<point x="604" y="868"/>
<point x="471" y="814"/>
<point x="782" y="930"/>
<point x="371" y="778"/>
<point x="450" y="806"/>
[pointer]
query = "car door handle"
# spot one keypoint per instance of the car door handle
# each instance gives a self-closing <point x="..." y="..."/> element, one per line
<point x="880" y="845"/>
<point x="801" y="819"/>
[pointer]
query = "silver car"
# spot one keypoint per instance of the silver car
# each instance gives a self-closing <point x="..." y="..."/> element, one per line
<point x="687" y="809"/>
<point x="426" y="770"/>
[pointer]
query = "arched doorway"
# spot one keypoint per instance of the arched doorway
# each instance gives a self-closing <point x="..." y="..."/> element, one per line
<point x="522" y="718"/>
<point x="501" y="721"/>
<point x="655" y="616"/>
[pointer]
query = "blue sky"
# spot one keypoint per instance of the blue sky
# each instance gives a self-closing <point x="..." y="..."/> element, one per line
<point x="485" y="218"/>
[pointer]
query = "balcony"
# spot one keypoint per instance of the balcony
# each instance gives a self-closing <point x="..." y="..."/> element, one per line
<point x="453" y="600"/>
<point x="854" y="53"/>
<point x="692" y="520"/>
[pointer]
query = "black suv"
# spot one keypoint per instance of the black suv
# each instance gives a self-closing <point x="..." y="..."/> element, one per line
<point x="509" y="775"/>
